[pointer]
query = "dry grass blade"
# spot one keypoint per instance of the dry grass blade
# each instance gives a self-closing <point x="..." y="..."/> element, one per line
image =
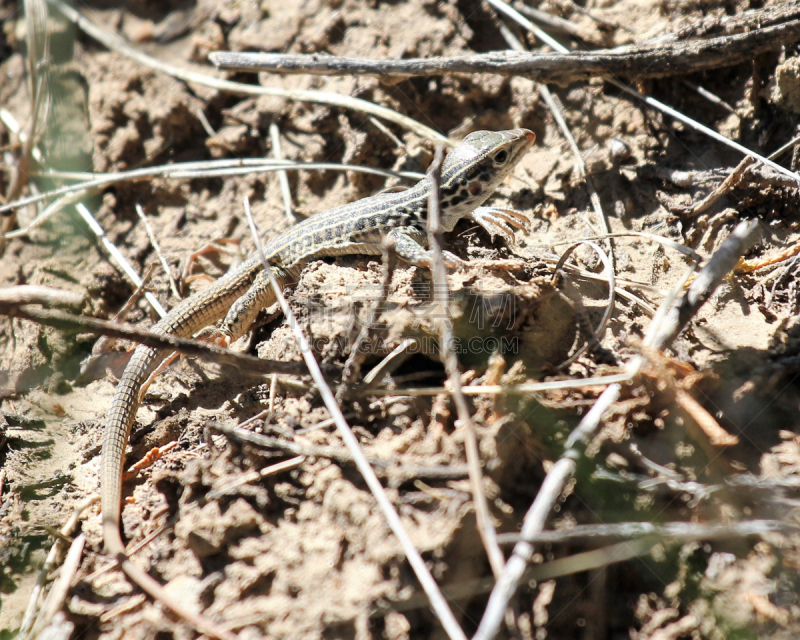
<point x="448" y="356"/>
<point x="38" y="44"/>
<point x="652" y="102"/>
<point x="674" y="533"/>
<point x="36" y="294"/>
<point x="58" y="593"/>
<point x="594" y="335"/>
<point x="582" y="172"/>
<point x="660" y="335"/>
<point x="671" y="531"/>
<point x="117" y="256"/>
<point x="157" y="248"/>
<point x="50" y="565"/>
<point x="283" y="177"/>
<point x="437" y="600"/>
<point x="388" y="468"/>
<point x="509" y="390"/>
<point x="115" y="43"/>
<point x="178" y="171"/>
<point x="352" y="367"/>
<point x="662" y="240"/>
<point x="734" y="177"/>
<point x="708" y="279"/>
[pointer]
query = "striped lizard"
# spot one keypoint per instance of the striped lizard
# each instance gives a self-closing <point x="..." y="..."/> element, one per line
<point x="470" y="174"/>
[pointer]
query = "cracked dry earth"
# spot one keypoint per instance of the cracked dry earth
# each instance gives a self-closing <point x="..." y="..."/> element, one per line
<point x="304" y="553"/>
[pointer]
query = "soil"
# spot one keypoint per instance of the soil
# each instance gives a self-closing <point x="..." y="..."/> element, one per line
<point x="304" y="552"/>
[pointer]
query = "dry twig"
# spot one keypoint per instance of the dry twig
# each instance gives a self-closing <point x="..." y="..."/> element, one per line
<point x="441" y="292"/>
<point x="175" y="171"/>
<point x="38" y="45"/>
<point x="659" y="336"/>
<point x="50" y="564"/>
<point x="283" y="177"/>
<point x="386" y="468"/>
<point x="437" y="600"/>
<point x="648" y="60"/>
<point x="207" y="351"/>
<point x="58" y="593"/>
<point x="115" y="43"/>
<point x="157" y="248"/>
<point x="352" y="367"/>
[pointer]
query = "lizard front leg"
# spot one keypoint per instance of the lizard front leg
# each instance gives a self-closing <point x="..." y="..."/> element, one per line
<point x="408" y="247"/>
<point x="499" y="221"/>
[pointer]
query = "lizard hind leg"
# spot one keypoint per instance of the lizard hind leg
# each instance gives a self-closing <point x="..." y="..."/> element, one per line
<point x="408" y="247"/>
<point x="245" y="309"/>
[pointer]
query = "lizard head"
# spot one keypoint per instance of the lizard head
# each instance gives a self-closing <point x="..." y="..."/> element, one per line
<point x="474" y="169"/>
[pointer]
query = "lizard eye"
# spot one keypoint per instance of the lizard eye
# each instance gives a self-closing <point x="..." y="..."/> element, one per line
<point x="501" y="156"/>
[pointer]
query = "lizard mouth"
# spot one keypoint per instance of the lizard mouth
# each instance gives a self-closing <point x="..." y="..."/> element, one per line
<point x="527" y="138"/>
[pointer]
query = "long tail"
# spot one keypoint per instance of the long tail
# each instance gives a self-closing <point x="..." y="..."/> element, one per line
<point x="186" y="319"/>
<point x="115" y="439"/>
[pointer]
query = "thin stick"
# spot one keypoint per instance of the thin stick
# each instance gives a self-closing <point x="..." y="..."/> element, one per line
<point x="388" y="468"/>
<point x="84" y="212"/>
<point x="252" y="476"/>
<point x="117" y="256"/>
<point x="201" y="116"/>
<point x="652" y="102"/>
<point x="132" y="550"/>
<point x="711" y="97"/>
<point x="642" y="61"/>
<point x="659" y="336"/>
<point x="128" y="605"/>
<point x="105" y="343"/>
<point x="529" y="65"/>
<point x="580" y="164"/>
<point x="733" y="178"/>
<point x="438" y="603"/>
<point x="710" y="277"/>
<point x="595" y="335"/>
<point x="183" y="171"/>
<point x="50" y="565"/>
<point x="283" y="177"/>
<point x="115" y="43"/>
<point x="672" y="531"/>
<point x="727" y="24"/>
<point x="680" y="532"/>
<point x="389" y="363"/>
<point x="748" y="266"/>
<point x="441" y="295"/>
<point x="38" y="45"/>
<point x="22" y="294"/>
<point x="704" y="420"/>
<point x="58" y="593"/>
<point x="656" y="104"/>
<point x="662" y="240"/>
<point x="352" y="367"/>
<point x="554" y="22"/>
<point x="205" y="350"/>
<point x="510" y="390"/>
<point x="157" y="248"/>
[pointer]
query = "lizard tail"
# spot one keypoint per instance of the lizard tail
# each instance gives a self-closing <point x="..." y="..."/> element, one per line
<point x="184" y="320"/>
<point x="120" y="420"/>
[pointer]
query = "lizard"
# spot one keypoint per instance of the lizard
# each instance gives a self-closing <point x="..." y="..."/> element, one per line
<point x="470" y="174"/>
